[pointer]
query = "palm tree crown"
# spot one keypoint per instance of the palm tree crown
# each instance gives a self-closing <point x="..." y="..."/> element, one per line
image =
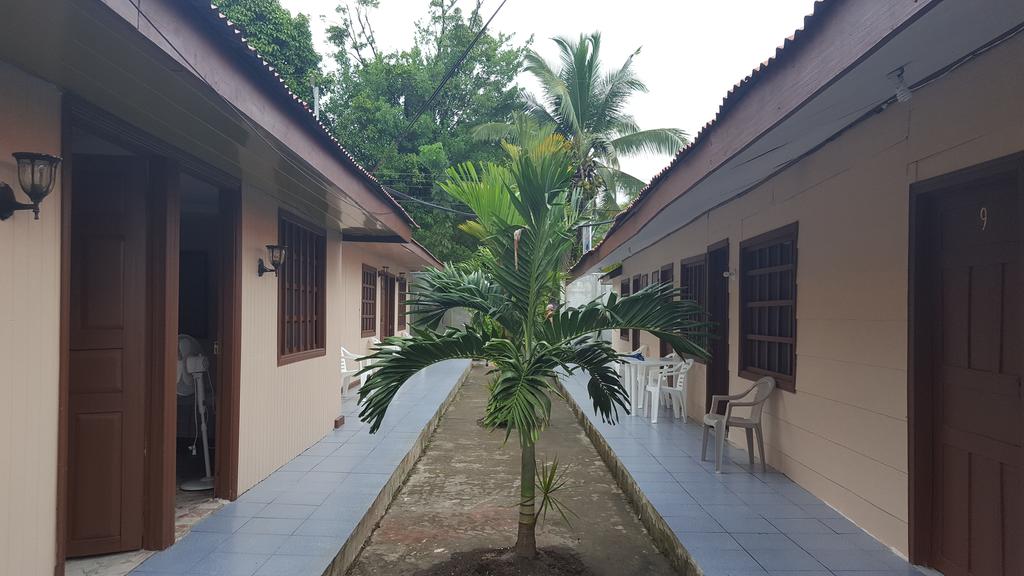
<point x="526" y="217"/>
<point x="587" y="106"/>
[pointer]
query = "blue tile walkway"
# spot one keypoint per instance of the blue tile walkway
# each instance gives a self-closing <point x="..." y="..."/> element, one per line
<point x="736" y="523"/>
<point x="296" y="521"/>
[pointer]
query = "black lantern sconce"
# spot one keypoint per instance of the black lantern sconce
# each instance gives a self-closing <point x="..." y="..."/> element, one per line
<point x="383" y="271"/>
<point x="277" y="254"/>
<point x="36" y="175"/>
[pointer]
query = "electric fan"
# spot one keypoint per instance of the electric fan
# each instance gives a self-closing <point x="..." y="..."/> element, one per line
<point x="193" y="374"/>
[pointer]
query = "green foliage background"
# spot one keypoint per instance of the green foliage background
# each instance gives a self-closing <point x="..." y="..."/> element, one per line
<point x="372" y="96"/>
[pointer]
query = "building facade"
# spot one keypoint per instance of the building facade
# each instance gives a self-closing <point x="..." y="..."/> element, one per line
<point x="184" y="158"/>
<point x="852" y="222"/>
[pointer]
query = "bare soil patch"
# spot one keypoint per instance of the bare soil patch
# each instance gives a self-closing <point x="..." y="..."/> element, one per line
<point x="549" y="562"/>
<point x="456" y="514"/>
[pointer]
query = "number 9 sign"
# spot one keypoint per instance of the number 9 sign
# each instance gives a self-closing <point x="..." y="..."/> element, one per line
<point x="983" y="216"/>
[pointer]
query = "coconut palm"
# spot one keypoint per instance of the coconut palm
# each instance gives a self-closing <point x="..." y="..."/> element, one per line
<point x="525" y="214"/>
<point x="587" y="105"/>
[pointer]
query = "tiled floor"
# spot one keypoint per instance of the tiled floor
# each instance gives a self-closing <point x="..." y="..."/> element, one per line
<point x="295" y="522"/>
<point x="737" y="523"/>
<point x="189" y="509"/>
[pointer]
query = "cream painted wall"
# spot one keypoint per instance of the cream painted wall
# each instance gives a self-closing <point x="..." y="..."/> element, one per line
<point x="30" y="116"/>
<point x="357" y="254"/>
<point x="283" y="409"/>
<point x="843" y="434"/>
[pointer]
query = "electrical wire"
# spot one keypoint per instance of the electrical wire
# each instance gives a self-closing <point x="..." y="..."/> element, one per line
<point x="447" y="76"/>
<point x="313" y="176"/>
<point x="432" y="205"/>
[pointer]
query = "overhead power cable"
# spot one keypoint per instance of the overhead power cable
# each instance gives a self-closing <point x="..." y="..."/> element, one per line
<point x="444" y="79"/>
<point x="431" y="204"/>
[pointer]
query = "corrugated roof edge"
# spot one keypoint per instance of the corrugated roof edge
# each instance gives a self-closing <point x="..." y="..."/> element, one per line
<point x="299" y="106"/>
<point x="437" y="261"/>
<point x="735" y="94"/>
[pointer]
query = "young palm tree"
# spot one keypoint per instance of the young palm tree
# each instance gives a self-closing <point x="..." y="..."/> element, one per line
<point x="587" y="105"/>
<point x="525" y="215"/>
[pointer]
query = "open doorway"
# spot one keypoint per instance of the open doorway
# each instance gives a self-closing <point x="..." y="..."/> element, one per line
<point x="143" y="239"/>
<point x="198" y="374"/>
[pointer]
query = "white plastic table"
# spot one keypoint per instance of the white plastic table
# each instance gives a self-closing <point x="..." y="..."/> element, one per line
<point x="635" y="374"/>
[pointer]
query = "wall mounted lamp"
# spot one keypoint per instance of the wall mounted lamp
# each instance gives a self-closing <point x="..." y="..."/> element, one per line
<point x="277" y="255"/>
<point x="383" y="271"/>
<point x="36" y="175"/>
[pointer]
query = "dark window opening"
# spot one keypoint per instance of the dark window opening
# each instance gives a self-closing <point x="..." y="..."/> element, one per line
<point x="301" y="291"/>
<point x="768" y="306"/>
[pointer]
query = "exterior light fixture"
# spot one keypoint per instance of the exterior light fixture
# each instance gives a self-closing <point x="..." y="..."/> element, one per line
<point x="384" y="271"/>
<point x="36" y="175"/>
<point x="277" y="255"/>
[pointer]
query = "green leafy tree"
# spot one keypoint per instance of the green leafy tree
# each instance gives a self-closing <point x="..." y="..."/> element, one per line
<point x="375" y="95"/>
<point x="284" y="40"/>
<point x="587" y="104"/>
<point x="526" y="212"/>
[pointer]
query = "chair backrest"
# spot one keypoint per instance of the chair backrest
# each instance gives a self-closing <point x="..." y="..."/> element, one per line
<point x="762" y="390"/>
<point x="349" y="361"/>
<point x="641" y="350"/>
<point x="684" y="367"/>
<point x="678" y="372"/>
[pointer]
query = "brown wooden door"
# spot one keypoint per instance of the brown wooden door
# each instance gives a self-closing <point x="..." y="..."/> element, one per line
<point x="718" y="312"/>
<point x="977" y="362"/>
<point x="387" y="306"/>
<point x="107" y="370"/>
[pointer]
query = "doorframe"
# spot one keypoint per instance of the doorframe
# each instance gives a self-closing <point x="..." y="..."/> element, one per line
<point x="167" y="163"/>
<point x="920" y="397"/>
<point x="715" y="247"/>
<point x="388" y="298"/>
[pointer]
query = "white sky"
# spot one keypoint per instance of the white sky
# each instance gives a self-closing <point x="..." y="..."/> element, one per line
<point x="694" y="51"/>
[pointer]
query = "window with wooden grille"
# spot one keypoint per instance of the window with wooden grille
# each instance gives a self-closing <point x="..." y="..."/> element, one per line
<point x="768" y="306"/>
<point x="368" y="307"/>
<point x="301" y="291"/>
<point x="402" y="287"/>
<point x="624" y="291"/>
<point x="693" y="282"/>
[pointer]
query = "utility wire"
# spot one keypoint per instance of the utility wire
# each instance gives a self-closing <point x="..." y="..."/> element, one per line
<point x="444" y="80"/>
<point x="314" y="177"/>
<point x="431" y="204"/>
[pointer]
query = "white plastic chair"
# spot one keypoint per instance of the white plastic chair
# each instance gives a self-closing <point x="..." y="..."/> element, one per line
<point x="761" y="390"/>
<point x="350" y="365"/>
<point x="659" y="388"/>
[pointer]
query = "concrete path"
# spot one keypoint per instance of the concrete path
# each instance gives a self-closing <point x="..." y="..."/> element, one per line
<point x="315" y="512"/>
<point x="736" y="523"/>
<point x="462" y="496"/>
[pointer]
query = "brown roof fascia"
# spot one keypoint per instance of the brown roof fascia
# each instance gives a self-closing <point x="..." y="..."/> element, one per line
<point x="372" y="194"/>
<point x="426" y="255"/>
<point x="837" y="36"/>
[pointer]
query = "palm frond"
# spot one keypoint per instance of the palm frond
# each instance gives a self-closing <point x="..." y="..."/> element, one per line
<point x="653" y="141"/>
<point x="492" y="132"/>
<point x="658" y="309"/>
<point x="397" y="360"/>
<point x="436" y="291"/>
